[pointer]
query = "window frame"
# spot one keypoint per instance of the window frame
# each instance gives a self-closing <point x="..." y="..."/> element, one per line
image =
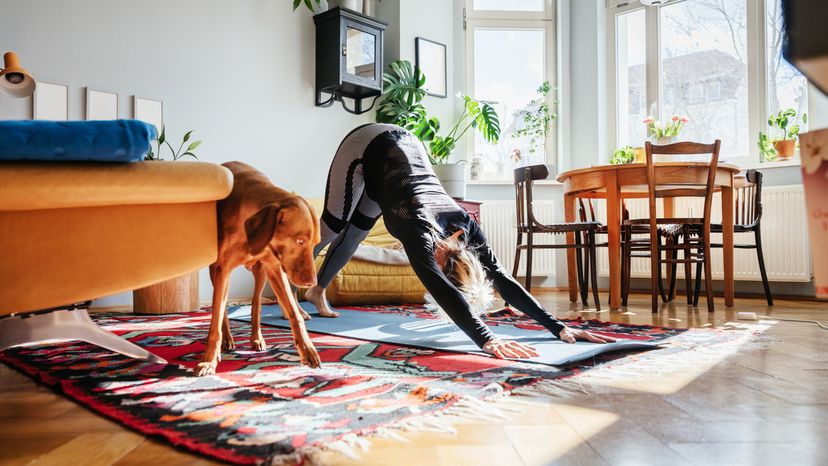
<point x="757" y="59"/>
<point x="511" y="20"/>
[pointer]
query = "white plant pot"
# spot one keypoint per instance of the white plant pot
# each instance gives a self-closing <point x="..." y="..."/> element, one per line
<point x="355" y="5"/>
<point x="664" y="140"/>
<point x="453" y="178"/>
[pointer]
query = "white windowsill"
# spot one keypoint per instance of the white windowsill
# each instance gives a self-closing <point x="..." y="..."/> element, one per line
<point x="764" y="165"/>
<point x="509" y="183"/>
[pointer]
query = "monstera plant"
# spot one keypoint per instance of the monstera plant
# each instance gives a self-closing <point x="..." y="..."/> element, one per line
<point x="402" y="105"/>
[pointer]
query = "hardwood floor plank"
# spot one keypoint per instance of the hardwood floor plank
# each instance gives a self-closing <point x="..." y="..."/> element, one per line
<point x="96" y="449"/>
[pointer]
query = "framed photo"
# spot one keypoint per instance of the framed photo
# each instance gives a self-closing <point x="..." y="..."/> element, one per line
<point x="50" y="102"/>
<point x="430" y="59"/>
<point x="101" y="105"/>
<point x="150" y="111"/>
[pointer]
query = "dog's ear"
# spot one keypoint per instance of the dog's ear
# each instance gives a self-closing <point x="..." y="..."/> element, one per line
<point x="260" y="228"/>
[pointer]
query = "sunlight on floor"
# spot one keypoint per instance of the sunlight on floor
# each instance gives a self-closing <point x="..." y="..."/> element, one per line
<point x="672" y="373"/>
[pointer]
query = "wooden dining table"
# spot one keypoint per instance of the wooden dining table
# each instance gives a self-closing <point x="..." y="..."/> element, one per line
<point x="627" y="181"/>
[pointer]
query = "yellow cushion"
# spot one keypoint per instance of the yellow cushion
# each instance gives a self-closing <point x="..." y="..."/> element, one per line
<point x="361" y="282"/>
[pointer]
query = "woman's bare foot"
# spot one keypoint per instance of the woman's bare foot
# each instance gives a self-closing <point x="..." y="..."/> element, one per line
<point x="316" y="295"/>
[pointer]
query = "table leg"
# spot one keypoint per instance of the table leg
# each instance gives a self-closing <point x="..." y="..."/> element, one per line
<point x="727" y="241"/>
<point x="614" y="238"/>
<point x="569" y="217"/>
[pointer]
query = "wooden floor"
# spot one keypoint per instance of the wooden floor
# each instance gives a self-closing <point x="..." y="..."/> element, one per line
<point x="767" y="406"/>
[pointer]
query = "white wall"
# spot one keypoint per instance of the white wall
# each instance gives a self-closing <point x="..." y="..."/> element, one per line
<point x="239" y="72"/>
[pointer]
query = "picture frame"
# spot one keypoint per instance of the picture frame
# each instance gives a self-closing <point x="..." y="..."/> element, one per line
<point x="101" y="105"/>
<point x="430" y="59"/>
<point x="50" y="102"/>
<point x="149" y="110"/>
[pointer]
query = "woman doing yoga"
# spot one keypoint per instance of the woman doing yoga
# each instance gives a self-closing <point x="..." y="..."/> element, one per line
<point x="382" y="169"/>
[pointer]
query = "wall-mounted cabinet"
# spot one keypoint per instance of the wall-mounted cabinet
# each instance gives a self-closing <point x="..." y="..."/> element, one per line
<point x="349" y="48"/>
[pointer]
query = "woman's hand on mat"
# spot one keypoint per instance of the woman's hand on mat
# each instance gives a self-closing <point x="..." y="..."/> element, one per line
<point x="570" y="335"/>
<point x="505" y="349"/>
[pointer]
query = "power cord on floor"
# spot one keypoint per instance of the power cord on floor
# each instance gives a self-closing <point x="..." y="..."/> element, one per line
<point x="805" y="321"/>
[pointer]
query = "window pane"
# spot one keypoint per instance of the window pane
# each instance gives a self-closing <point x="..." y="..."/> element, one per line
<point x="508" y="5"/>
<point x="704" y="71"/>
<point x="509" y="67"/>
<point x="787" y="88"/>
<point x="631" y="92"/>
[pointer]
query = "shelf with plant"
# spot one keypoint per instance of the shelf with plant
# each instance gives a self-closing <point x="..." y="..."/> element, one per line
<point x="781" y="146"/>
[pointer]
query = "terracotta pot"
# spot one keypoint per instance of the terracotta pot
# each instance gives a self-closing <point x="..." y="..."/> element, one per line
<point x="175" y="295"/>
<point x="453" y="178"/>
<point x="785" y="148"/>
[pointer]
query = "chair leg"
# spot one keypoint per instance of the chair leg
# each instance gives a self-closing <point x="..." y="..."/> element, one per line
<point x="762" y="269"/>
<point x="671" y="294"/>
<point x="688" y="274"/>
<point x="660" y="278"/>
<point x="708" y="278"/>
<point x="517" y="254"/>
<point x="697" y="290"/>
<point x="626" y="263"/>
<point x="581" y="262"/>
<point x="529" y="254"/>
<point x="655" y="271"/>
<point x="594" y="270"/>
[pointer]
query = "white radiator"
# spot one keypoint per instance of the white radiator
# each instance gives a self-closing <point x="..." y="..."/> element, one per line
<point x="784" y="237"/>
<point x="498" y="220"/>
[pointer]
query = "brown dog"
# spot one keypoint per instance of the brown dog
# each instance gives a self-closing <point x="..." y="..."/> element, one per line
<point x="272" y="232"/>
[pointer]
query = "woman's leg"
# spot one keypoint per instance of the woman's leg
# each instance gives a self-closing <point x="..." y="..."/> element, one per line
<point x="340" y="252"/>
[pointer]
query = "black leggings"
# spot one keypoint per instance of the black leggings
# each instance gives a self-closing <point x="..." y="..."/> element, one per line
<point x="349" y="214"/>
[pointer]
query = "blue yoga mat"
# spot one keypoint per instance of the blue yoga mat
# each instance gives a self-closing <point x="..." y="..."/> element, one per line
<point x="436" y="334"/>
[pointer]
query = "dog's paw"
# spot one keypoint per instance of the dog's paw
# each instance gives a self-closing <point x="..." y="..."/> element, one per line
<point x="258" y="343"/>
<point x="304" y="314"/>
<point x="205" y="368"/>
<point x="227" y="343"/>
<point x="308" y="355"/>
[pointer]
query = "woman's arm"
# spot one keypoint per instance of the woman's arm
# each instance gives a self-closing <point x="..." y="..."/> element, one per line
<point x="510" y="290"/>
<point x="514" y="294"/>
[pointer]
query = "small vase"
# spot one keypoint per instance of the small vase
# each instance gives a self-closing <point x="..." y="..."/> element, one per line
<point x="354" y="5"/>
<point x="664" y="140"/>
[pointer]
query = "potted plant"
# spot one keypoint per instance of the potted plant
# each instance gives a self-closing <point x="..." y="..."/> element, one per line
<point x="665" y="133"/>
<point x="535" y="119"/>
<point x="623" y="155"/>
<point x="178" y="294"/>
<point x="783" y="146"/>
<point x="402" y="105"/>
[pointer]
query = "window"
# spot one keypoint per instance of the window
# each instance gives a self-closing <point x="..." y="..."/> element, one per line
<point x="510" y="55"/>
<point x="697" y="64"/>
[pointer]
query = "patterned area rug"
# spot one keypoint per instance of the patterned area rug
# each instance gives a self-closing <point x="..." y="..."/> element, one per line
<point x="265" y="408"/>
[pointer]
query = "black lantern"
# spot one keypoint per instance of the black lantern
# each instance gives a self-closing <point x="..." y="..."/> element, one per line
<point x="349" y="49"/>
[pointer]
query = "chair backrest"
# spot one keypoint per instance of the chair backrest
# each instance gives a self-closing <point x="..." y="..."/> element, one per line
<point x="748" y="198"/>
<point x="524" y="176"/>
<point x="692" y="189"/>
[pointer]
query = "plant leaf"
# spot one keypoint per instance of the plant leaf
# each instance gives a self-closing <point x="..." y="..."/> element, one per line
<point x="193" y="145"/>
<point x="163" y="136"/>
<point x="187" y="135"/>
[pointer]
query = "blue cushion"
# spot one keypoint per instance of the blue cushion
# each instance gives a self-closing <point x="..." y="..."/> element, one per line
<point x="61" y="141"/>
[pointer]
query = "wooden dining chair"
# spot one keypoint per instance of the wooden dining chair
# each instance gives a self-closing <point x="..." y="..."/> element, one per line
<point x="528" y="224"/>
<point x="695" y="248"/>
<point x="747" y="219"/>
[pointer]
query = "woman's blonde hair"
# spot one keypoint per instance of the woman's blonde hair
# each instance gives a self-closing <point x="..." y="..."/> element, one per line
<point x="464" y="270"/>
